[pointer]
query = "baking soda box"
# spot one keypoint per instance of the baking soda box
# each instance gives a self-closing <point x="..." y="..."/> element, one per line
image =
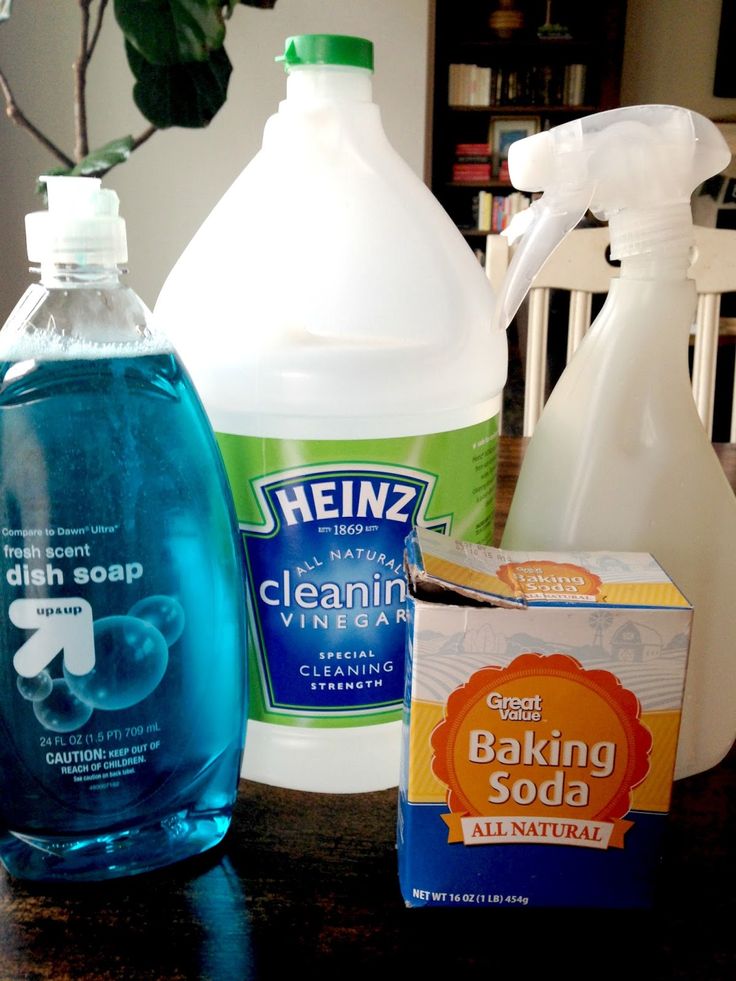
<point x="542" y="710"/>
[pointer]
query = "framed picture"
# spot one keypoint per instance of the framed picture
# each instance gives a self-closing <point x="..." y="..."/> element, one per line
<point x="724" y="83"/>
<point x="506" y="130"/>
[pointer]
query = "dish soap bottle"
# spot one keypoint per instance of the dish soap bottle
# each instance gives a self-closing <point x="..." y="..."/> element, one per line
<point x="122" y="699"/>
<point x="338" y="329"/>
<point x="620" y="459"/>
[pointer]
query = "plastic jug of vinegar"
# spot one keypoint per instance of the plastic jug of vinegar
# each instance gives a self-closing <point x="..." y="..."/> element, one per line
<point x="338" y="328"/>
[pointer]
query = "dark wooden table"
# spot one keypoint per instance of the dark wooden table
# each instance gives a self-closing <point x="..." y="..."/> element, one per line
<point x="307" y="883"/>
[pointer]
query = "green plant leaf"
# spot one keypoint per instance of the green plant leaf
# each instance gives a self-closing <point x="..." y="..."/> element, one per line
<point x="104" y="159"/>
<point x="172" y="32"/>
<point x="180" y="95"/>
<point x="5" y="8"/>
<point x="95" y="164"/>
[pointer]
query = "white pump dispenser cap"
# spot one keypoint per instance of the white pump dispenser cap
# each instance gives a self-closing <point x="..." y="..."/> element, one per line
<point x="81" y="226"/>
<point x="635" y="167"/>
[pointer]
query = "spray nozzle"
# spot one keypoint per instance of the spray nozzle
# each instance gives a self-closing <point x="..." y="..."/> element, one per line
<point x="636" y="167"/>
<point x="81" y="227"/>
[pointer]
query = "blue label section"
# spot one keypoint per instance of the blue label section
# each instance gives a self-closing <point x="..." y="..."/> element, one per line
<point x="327" y="585"/>
<point x="433" y="872"/>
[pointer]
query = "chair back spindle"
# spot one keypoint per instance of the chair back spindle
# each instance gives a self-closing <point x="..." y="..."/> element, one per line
<point x="580" y="266"/>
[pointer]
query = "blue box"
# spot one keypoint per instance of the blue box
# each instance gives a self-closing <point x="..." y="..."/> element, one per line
<point x="542" y="707"/>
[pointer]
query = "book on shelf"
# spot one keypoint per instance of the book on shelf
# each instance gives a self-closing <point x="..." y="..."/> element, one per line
<point x="473" y="162"/>
<point x="473" y="150"/>
<point x="469" y="85"/>
<point x="573" y="92"/>
<point x="493" y="212"/>
<point x="483" y="211"/>
<point x="471" y="172"/>
<point x="527" y="85"/>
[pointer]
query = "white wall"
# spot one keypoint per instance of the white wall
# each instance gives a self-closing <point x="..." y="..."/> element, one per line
<point x="670" y="55"/>
<point x="170" y="184"/>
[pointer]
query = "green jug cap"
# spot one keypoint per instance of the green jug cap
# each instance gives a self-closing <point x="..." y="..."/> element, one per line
<point x="327" y="49"/>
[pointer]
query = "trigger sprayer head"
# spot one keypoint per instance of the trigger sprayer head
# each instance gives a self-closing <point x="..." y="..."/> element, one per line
<point x="81" y="227"/>
<point x="635" y="167"/>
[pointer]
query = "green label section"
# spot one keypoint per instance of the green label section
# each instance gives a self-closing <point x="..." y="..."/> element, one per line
<point x="324" y="524"/>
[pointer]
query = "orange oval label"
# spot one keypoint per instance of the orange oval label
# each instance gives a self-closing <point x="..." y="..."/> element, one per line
<point x="551" y="580"/>
<point x="542" y="739"/>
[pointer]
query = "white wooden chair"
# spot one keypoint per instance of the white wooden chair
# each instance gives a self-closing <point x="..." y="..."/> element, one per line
<point x="580" y="266"/>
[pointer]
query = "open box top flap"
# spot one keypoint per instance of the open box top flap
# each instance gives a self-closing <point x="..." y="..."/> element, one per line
<point x="447" y="570"/>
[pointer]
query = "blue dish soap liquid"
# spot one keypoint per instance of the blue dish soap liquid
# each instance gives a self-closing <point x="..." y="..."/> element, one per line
<point x="122" y="690"/>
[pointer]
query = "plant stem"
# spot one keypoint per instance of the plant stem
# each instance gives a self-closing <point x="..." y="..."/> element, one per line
<point x="81" y="147"/>
<point x="97" y="28"/>
<point x="88" y="43"/>
<point x="145" y="135"/>
<point x="15" y="115"/>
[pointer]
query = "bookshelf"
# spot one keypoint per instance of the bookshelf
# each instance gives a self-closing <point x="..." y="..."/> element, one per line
<point x="490" y="89"/>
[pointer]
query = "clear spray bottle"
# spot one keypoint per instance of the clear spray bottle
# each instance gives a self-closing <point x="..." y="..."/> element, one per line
<point x="620" y="459"/>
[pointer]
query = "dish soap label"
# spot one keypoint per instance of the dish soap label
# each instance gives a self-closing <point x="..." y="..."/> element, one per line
<point x="324" y="524"/>
<point x="102" y="621"/>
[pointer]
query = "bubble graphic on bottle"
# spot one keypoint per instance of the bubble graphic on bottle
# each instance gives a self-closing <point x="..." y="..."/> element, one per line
<point x="163" y="612"/>
<point x="131" y="658"/>
<point x="61" y="710"/>
<point x="37" y="688"/>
